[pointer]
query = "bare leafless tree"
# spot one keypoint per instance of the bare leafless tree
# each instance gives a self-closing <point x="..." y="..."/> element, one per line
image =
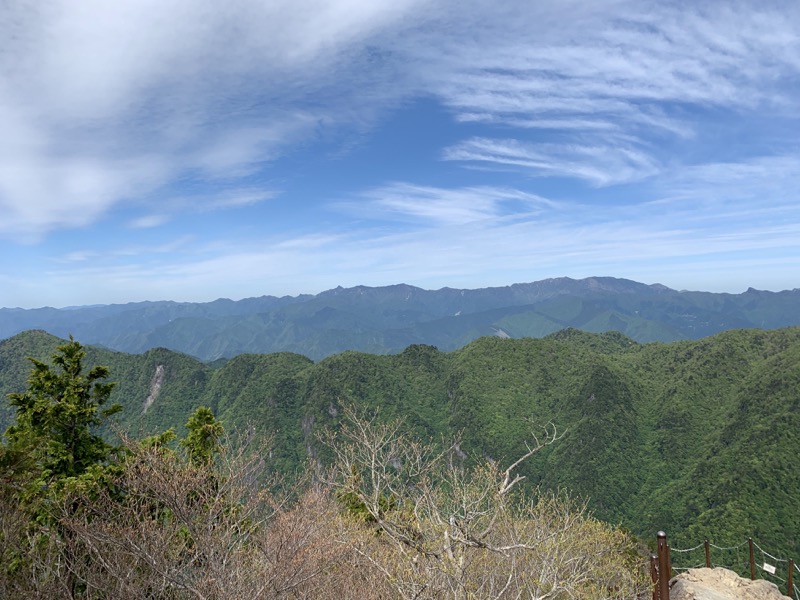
<point x="173" y="528"/>
<point x="440" y="530"/>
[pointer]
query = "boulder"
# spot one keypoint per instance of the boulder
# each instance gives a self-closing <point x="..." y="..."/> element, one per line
<point x="720" y="584"/>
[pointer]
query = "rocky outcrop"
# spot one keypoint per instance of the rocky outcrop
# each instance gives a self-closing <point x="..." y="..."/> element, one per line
<point x="720" y="584"/>
<point x="155" y="387"/>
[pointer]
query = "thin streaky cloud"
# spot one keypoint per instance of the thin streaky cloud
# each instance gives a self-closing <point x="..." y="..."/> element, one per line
<point x="148" y="221"/>
<point x="598" y="165"/>
<point x="203" y="203"/>
<point x="447" y="207"/>
<point x="757" y="187"/>
<point x="624" y="75"/>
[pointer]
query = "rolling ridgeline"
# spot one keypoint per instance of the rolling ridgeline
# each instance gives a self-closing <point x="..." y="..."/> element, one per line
<point x="698" y="438"/>
<point x="385" y="320"/>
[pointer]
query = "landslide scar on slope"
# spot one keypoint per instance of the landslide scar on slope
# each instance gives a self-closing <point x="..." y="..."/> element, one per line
<point x="155" y="387"/>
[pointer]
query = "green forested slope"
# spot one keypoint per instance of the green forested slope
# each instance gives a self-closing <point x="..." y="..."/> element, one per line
<point x="695" y="437"/>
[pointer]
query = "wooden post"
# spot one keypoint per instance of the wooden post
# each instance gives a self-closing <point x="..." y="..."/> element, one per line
<point x="790" y="585"/>
<point x="708" y="554"/>
<point x="663" y="567"/>
<point x="669" y="563"/>
<point x="752" y="559"/>
<point x="654" y="574"/>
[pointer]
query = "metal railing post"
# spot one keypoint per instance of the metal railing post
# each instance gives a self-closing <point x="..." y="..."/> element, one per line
<point x="669" y="562"/>
<point x="654" y="574"/>
<point x="752" y="559"/>
<point x="663" y="567"/>
<point x="708" y="553"/>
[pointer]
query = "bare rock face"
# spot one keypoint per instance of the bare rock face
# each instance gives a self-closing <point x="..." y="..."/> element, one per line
<point x="720" y="584"/>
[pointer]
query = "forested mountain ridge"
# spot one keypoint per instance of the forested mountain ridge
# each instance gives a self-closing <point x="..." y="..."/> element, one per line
<point x="384" y="320"/>
<point x="694" y="437"/>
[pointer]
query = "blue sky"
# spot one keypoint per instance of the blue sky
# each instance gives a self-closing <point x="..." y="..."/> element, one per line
<point x="190" y="150"/>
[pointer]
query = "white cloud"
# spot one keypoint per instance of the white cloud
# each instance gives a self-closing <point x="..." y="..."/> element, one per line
<point x="771" y="179"/>
<point x="598" y="164"/>
<point x="167" y="247"/>
<point x="77" y="256"/>
<point x="236" y="198"/>
<point x="171" y="207"/>
<point x="446" y="207"/>
<point x="149" y="221"/>
<point x="104" y="102"/>
<point x="609" y="81"/>
<point x="613" y="62"/>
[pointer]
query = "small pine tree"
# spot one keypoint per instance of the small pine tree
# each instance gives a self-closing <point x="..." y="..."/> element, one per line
<point x="202" y="441"/>
<point x="53" y="447"/>
<point x="54" y="434"/>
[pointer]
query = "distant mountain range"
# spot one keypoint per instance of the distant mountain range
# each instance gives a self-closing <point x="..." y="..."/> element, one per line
<point x="385" y="320"/>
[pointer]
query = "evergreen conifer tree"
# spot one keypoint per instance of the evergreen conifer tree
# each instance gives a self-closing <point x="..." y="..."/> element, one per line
<point x="54" y="437"/>
<point x="202" y="441"/>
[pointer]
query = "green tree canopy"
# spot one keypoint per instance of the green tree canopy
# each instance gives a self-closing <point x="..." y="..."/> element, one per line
<point x="57" y="416"/>
<point x="202" y="441"/>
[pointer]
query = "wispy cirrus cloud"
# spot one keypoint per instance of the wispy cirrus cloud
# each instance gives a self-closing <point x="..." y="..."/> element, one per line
<point x="616" y="83"/>
<point x="733" y="183"/>
<point x="171" y="207"/>
<point x="626" y="62"/>
<point x="599" y="165"/>
<point x="436" y="206"/>
<point x="148" y="221"/>
<point x="121" y="254"/>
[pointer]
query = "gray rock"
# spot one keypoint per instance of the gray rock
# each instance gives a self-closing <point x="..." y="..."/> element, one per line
<point x="720" y="584"/>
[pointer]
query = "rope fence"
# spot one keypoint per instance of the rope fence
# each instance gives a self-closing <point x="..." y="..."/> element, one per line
<point x="746" y="559"/>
